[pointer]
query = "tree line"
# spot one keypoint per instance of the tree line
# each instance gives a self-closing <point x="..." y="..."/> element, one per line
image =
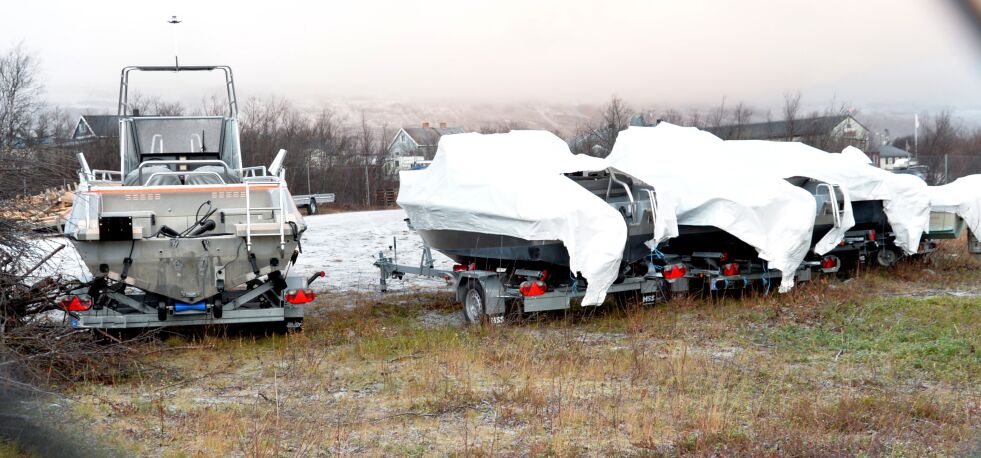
<point x="328" y="152"/>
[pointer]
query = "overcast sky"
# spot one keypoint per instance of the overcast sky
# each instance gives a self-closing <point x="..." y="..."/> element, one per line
<point x="871" y="52"/>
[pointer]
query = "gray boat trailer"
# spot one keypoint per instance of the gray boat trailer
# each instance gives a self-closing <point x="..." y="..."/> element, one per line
<point x="244" y="308"/>
<point x="497" y="293"/>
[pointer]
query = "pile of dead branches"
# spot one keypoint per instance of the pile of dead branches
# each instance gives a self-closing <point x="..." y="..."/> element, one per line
<point x="23" y="293"/>
<point x="37" y="347"/>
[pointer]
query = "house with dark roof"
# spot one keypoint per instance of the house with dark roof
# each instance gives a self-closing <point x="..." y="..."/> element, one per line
<point x="93" y="127"/>
<point x="830" y="133"/>
<point x="415" y="144"/>
<point x="888" y="157"/>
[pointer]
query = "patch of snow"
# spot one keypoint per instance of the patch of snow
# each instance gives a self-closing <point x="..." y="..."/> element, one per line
<point x="66" y="262"/>
<point x="344" y="245"/>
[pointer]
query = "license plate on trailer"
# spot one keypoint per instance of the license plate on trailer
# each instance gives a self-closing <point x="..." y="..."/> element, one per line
<point x="649" y="298"/>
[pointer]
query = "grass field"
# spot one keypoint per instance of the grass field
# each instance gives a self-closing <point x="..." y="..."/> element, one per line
<point x="884" y="364"/>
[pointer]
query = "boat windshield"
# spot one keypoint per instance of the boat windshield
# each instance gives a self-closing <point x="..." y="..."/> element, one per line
<point x="185" y="136"/>
<point x="202" y="140"/>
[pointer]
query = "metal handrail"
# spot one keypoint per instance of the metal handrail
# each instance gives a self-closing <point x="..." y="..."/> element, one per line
<point x="282" y="216"/>
<point x="248" y="219"/>
<point x="184" y="174"/>
<point x="257" y="168"/>
<point x="630" y="195"/>
<point x="262" y="179"/>
<point x="105" y="175"/>
<point x="834" y="202"/>
<point x="653" y="198"/>
<point x="282" y="219"/>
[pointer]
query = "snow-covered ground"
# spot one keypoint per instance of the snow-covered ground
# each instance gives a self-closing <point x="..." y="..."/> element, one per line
<point x="344" y="245"/>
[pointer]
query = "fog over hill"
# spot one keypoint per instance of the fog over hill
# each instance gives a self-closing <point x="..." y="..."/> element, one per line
<point x="563" y="119"/>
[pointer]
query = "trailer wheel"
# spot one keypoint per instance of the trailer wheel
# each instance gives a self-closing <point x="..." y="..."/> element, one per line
<point x="217" y="309"/>
<point x="887" y="257"/>
<point x="312" y="207"/>
<point x="474" y="301"/>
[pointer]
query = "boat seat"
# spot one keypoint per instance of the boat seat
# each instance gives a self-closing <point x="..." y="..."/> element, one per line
<point x="133" y="177"/>
<point x="211" y="179"/>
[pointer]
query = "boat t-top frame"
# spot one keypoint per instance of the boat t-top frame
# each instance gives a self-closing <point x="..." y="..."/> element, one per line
<point x="124" y="109"/>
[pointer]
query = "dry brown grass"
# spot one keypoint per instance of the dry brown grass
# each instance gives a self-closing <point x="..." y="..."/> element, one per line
<point x="828" y="369"/>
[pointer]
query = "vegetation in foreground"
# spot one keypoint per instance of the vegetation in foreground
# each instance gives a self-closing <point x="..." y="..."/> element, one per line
<point x="829" y="369"/>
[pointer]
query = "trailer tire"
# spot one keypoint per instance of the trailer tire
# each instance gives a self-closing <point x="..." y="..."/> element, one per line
<point x="312" y="207"/>
<point x="886" y="257"/>
<point x="217" y="309"/>
<point x="474" y="303"/>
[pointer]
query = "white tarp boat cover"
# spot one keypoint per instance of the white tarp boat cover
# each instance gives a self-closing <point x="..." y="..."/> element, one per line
<point x="683" y="164"/>
<point x="904" y="197"/>
<point x="963" y="197"/>
<point x="512" y="184"/>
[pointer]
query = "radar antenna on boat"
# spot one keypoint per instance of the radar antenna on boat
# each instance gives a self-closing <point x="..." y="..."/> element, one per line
<point x="173" y="20"/>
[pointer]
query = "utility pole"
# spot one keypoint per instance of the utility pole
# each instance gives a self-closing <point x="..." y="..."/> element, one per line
<point x="916" y="134"/>
<point x="308" y="174"/>
<point x="946" y="178"/>
<point x="367" y="185"/>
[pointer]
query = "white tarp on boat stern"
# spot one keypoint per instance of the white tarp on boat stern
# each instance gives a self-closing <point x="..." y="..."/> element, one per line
<point x="963" y="196"/>
<point x="512" y="184"/>
<point x="904" y="198"/>
<point x="684" y="165"/>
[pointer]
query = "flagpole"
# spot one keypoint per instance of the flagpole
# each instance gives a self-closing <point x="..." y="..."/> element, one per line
<point x="916" y="134"/>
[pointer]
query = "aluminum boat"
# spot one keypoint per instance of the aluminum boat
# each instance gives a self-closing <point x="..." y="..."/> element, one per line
<point x="182" y="233"/>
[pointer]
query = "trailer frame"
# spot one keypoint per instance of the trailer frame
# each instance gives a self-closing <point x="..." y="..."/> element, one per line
<point x="487" y="295"/>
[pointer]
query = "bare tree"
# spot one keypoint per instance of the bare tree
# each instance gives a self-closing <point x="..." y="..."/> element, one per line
<point x="501" y="127"/>
<point x="616" y="117"/>
<point x="718" y="117"/>
<point x="598" y="140"/>
<point x="672" y="116"/>
<point x="741" y="115"/>
<point x="214" y="105"/>
<point x="20" y="94"/>
<point x="367" y="150"/>
<point x="791" y="112"/>
<point x="153" y="106"/>
<point x="695" y="118"/>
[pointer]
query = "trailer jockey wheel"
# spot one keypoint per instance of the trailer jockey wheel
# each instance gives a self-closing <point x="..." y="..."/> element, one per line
<point x="162" y="311"/>
<point x="473" y="302"/>
<point x="887" y="257"/>
<point x="312" y="209"/>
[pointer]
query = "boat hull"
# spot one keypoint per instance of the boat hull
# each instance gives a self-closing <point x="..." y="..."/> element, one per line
<point x="490" y="250"/>
<point x="183" y="271"/>
<point x="118" y="233"/>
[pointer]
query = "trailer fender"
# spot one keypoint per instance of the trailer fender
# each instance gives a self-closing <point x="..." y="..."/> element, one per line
<point x="493" y="289"/>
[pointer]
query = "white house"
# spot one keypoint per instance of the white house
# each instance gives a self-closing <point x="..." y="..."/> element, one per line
<point x="889" y="157"/>
<point x="414" y="145"/>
